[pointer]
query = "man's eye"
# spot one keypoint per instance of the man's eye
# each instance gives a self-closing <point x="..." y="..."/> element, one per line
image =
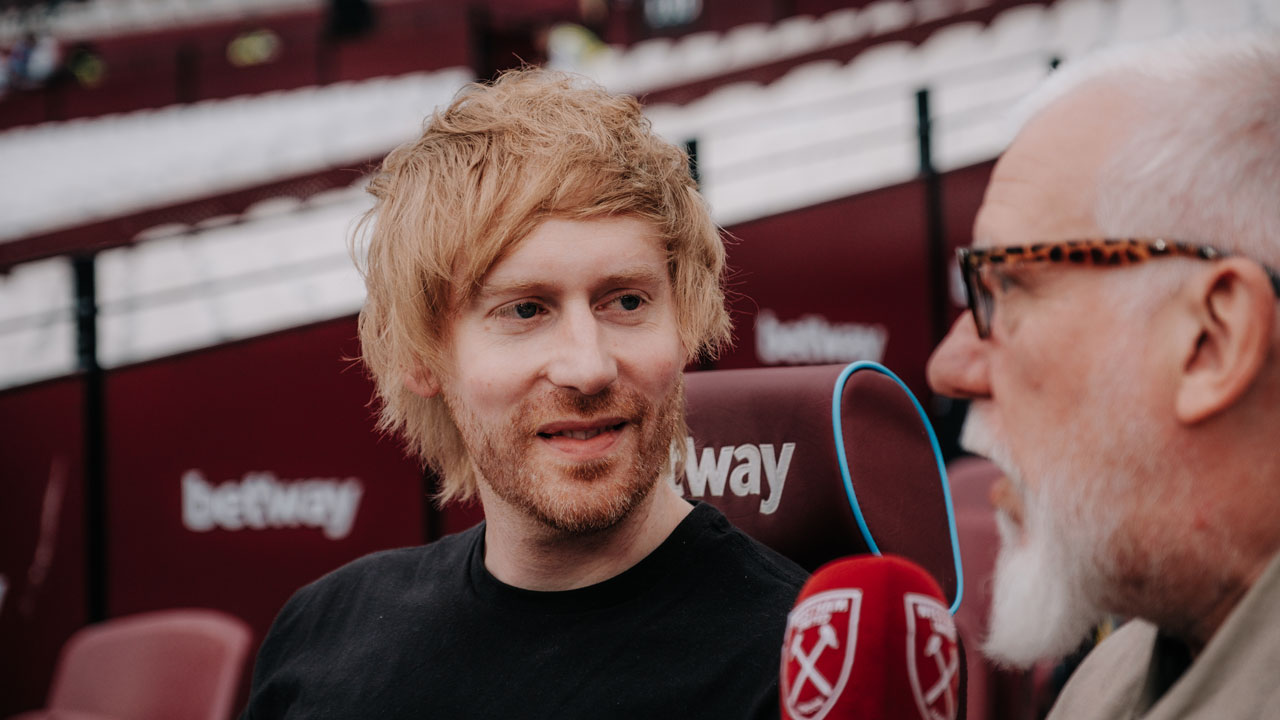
<point x="1004" y="281"/>
<point x="526" y="310"/>
<point x="629" y="302"/>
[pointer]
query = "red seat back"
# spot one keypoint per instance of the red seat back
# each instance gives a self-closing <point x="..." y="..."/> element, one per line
<point x="766" y="455"/>
<point x="164" y="665"/>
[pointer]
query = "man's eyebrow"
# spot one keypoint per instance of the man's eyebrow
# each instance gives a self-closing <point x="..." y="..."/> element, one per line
<point x="636" y="276"/>
<point x="514" y="287"/>
<point x="640" y="276"/>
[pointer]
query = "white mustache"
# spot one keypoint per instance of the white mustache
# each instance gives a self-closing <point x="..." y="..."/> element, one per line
<point x="978" y="437"/>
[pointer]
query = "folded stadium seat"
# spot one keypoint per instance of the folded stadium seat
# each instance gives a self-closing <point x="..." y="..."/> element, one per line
<point x="765" y="451"/>
<point x="843" y="26"/>
<point x="777" y="131"/>
<point x="1138" y="20"/>
<point x="1016" y="32"/>
<point x="888" y="16"/>
<point x="147" y="14"/>
<point x="272" y="207"/>
<point x="37" y="351"/>
<point x="134" y="325"/>
<point x="799" y="34"/>
<point x="608" y="67"/>
<point x="158" y="266"/>
<point x="91" y="18"/>
<point x="697" y="55"/>
<point x="1222" y="14"/>
<point x="751" y="44"/>
<point x="1268" y="11"/>
<point x="164" y="665"/>
<point x="1077" y="26"/>
<point x="884" y="65"/>
<point x="646" y="63"/>
<point x="948" y="47"/>
<point x="808" y="84"/>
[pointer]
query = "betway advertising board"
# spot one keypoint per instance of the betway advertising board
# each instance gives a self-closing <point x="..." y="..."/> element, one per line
<point x="42" y="551"/>
<point x="834" y="283"/>
<point x="847" y="280"/>
<point x="238" y="474"/>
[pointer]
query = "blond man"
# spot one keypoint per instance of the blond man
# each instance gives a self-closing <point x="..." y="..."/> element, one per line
<point x="540" y="269"/>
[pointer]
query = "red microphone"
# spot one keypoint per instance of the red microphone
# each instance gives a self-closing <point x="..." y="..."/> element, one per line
<point x="871" y="638"/>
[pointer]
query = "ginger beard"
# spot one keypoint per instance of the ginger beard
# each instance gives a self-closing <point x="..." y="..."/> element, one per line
<point x="1053" y="571"/>
<point x="576" y="498"/>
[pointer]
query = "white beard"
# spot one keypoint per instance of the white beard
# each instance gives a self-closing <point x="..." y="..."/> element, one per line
<point x="1050" y="572"/>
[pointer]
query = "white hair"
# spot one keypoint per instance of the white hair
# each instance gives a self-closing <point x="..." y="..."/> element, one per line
<point x="1204" y="166"/>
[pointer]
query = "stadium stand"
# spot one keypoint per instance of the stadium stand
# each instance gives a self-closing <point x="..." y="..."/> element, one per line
<point x="825" y="130"/>
<point x="124" y="55"/>
<point x="66" y="174"/>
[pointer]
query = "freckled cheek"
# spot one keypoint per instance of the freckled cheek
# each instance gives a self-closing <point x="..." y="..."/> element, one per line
<point x="655" y="363"/>
<point x="485" y="394"/>
<point x="491" y="378"/>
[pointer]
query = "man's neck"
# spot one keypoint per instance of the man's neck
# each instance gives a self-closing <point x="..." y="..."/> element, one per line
<point x="522" y="552"/>
<point x="1201" y="628"/>
<point x="1218" y="523"/>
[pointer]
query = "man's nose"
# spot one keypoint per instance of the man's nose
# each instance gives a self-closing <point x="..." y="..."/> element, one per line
<point x="958" y="367"/>
<point x="582" y="358"/>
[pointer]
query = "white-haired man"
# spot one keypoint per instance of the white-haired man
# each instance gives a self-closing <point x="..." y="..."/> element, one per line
<point x="1122" y="352"/>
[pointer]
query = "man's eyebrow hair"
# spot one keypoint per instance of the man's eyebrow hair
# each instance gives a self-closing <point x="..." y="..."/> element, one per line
<point x="640" y="275"/>
<point x="516" y="287"/>
<point x="631" y="276"/>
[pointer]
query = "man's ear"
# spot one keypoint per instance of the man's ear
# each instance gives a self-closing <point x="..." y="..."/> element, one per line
<point x="1233" y="311"/>
<point x="421" y="381"/>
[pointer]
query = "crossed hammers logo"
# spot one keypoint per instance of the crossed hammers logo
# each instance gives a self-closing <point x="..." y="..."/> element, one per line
<point x="827" y="638"/>
<point x="946" y="671"/>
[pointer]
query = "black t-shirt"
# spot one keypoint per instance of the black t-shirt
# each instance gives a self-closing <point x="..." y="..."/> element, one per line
<point x="694" y="630"/>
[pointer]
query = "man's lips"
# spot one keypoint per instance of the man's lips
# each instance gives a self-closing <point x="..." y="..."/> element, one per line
<point x="581" y="429"/>
<point x="584" y="439"/>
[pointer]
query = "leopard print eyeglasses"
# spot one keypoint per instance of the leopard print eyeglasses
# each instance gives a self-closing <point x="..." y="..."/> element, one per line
<point x="1106" y="251"/>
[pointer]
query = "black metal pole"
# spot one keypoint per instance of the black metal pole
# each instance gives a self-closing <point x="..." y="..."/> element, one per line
<point x="691" y="149"/>
<point x="948" y="414"/>
<point x="936" y="238"/>
<point x="95" y="496"/>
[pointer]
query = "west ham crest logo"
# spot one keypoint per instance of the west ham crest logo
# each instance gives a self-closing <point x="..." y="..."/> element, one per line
<point x="817" y="652"/>
<point x="933" y="660"/>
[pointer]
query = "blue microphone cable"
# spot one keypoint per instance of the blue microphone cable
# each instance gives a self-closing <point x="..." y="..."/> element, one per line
<point x="837" y="396"/>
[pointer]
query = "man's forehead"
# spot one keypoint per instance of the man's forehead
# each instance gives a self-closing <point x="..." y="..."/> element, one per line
<point x="1044" y="187"/>
<point x="611" y="248"/>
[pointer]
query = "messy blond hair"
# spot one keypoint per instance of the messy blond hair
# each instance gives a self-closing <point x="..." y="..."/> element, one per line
<point x="502" y="158"/>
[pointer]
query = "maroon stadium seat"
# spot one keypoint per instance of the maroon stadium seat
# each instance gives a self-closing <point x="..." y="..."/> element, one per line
<point x="164" y="665"/>
<point x="766" y="455"/>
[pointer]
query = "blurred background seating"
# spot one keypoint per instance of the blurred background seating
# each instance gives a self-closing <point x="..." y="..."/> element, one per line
<point x="183" y="664"/>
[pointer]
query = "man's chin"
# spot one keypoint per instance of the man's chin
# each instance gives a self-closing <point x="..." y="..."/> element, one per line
<point x="577" y="506"/>
<point x="1039" y="610"/>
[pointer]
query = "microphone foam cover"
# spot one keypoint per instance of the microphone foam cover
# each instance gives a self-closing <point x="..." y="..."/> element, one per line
<point x="870" y="638"/>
